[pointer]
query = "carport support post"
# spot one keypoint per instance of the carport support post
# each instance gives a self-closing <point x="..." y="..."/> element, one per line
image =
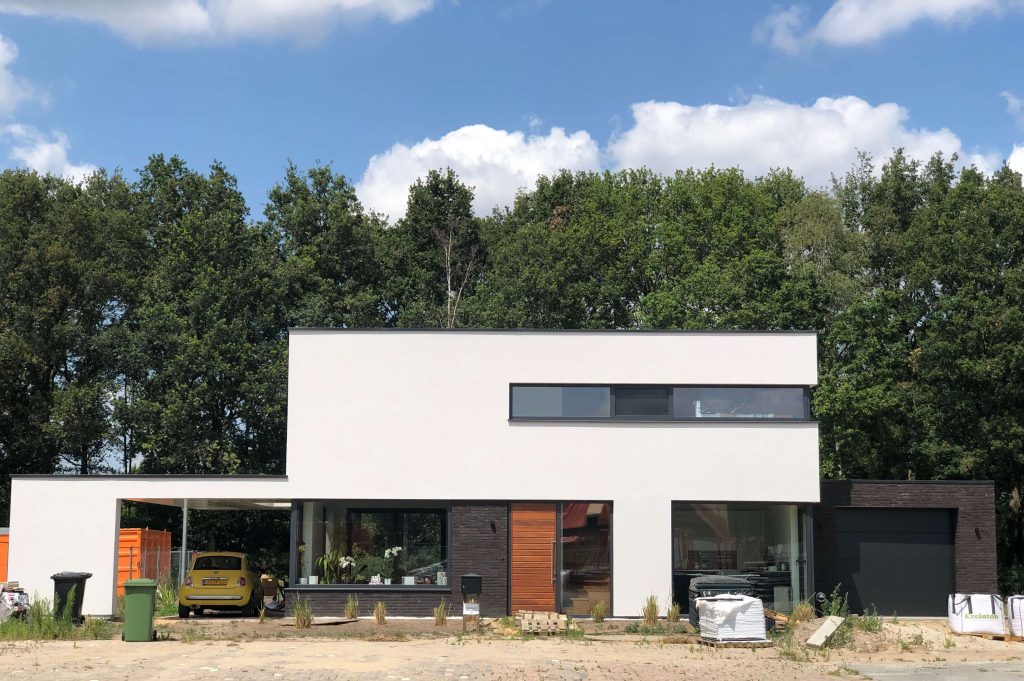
<point x="183" y="556"/>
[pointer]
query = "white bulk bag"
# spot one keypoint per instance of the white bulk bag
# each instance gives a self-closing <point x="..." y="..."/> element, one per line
<point x="731" y="618"/>
<point x="1015" y="611"/>
<point x="976" y="614"/>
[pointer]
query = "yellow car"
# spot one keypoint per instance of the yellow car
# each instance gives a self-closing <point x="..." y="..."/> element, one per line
<point x="220" y="580"/>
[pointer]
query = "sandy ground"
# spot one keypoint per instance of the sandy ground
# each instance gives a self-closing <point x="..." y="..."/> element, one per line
<point x="273" y="651"/>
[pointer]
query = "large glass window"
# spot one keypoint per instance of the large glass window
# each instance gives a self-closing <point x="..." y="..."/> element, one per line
<point x="561" y="401"/>
<point x="761" y="542"/>
<point x="739" y="403"/>
<point x="586" y="556"/>
<point x="355" y="545"/>
<point x="665" y="402"/>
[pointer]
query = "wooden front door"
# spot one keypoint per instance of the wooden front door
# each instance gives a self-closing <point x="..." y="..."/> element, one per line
<point x="532" y="564"/>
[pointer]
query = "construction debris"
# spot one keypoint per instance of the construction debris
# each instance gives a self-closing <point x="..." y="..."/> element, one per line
<point x="820" y="638"/>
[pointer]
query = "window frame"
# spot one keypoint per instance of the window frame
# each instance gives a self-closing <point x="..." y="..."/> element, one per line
<point x="671" y="417"/>
<point x="294" y="568"/>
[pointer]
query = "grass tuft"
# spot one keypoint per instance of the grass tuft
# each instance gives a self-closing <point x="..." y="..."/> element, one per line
<point x="441" y="614"/>
<point x="598" y="611"/>
<point x="352" y="607"/>
<point x="303" y="613"/>
<point x="650" y="612"/>
<point x="380" y="613"/>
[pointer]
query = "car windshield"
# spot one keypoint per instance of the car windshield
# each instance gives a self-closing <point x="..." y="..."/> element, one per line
<point x="218" y="563"/>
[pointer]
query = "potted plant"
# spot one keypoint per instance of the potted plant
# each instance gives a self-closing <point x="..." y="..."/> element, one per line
<point x="390" y="561"/>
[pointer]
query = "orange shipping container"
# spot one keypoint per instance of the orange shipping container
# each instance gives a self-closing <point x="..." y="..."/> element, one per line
<point x="4" y="544"/>
<point x="142" y="554"/>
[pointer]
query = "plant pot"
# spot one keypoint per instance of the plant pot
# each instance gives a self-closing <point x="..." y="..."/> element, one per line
<point x="314" y="579"/>
<point x="409" y="579"/>
<point x="387" y="580"/>
<point x="303" y="580"/>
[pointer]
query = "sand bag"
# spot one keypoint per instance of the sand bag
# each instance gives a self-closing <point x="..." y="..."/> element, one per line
<point x="1015" y="611"/>
<point x="976" y="614"/>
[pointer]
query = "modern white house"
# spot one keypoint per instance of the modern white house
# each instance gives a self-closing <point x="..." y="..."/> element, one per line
<point x="564" y="467"/>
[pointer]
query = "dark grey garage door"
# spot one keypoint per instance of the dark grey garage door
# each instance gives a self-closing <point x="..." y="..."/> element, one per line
<point x="900" y="560"/>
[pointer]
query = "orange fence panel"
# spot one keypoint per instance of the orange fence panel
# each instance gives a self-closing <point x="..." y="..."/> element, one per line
<point x="142" y="553"/>
<point x="4" y="545"/>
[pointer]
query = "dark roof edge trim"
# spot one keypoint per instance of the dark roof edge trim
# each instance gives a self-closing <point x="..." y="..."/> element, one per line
<point x="653" y="332"/>
<point x="860" y="481"/>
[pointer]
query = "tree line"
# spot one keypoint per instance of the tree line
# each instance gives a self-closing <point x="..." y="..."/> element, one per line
<point x="143" y="323"/>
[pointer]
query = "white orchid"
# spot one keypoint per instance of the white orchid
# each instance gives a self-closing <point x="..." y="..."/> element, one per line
<point x="346" y="562"/>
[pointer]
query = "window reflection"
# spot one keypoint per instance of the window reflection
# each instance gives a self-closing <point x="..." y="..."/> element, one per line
<point x="586" y="556"/>
<point x="761" y="542"/>
<point x="739" y="403"/>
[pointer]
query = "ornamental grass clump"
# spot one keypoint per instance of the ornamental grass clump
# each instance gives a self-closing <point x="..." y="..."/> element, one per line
<point x="672" y="612"/>
<point x="441" y="614"/>
<point x="597" y="612"/>
<point x="380" y="612"/>
<point x="650" y="612"/>
<point x="303" y="613"/>
<point x="352" y="607"/>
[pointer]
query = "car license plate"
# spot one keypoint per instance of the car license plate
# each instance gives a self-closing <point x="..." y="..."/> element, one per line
<point x="215" y="581"/>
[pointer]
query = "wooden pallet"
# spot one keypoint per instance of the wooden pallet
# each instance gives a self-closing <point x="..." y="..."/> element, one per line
<point x="543" y="622"/>
<point x="736" y="644"/>
<point x="1010" y="638"/>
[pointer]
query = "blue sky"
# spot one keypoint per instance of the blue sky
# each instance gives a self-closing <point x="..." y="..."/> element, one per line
<point x="502" y="91"/>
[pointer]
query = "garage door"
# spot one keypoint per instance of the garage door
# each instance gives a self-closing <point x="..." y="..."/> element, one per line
<point x="900" y="560"/>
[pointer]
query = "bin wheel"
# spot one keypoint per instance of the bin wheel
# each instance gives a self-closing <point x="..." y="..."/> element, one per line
<point x="154" y="634"/>
<point x="184" y="612"/>
<point x="122" y="635"/>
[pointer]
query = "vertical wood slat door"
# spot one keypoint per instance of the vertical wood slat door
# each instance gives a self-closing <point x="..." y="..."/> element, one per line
<point x="532" y="563"/>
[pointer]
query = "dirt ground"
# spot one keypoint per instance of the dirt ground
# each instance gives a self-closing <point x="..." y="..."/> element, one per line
<point x="231" y="650"/>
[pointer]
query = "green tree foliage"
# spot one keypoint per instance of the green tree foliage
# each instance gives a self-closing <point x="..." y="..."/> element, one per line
<point x="433" y="255"/>
<point x="143" y="325"/>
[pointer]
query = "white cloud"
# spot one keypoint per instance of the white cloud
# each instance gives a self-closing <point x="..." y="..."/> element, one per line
<point x="1016" y="160"/>
<point x="13" y="90"/>
<point x="43" y="153"/>
<point x="766" y="133"/>
<point x="860" y="22"/>
<point x="1014" y="106"/>
<point x="497" y="163"/>
<point x="166" y="21"/>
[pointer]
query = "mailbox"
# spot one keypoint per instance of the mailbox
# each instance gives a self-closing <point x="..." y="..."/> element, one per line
<point x="472" y="585"/>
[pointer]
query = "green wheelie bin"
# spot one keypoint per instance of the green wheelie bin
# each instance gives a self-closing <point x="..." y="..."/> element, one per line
<point x="139" y="608"/>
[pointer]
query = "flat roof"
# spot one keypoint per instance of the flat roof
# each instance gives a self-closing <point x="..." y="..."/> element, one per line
<point x="681" y="332"/>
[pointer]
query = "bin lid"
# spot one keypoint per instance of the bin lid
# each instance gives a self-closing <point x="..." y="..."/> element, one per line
<point x="712" y="581"/>
<point x="140" y="582"/>
<point x="71" y="575"/>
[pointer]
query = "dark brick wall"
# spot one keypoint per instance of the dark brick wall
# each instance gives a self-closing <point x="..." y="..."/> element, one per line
<point x="476" y="548"/>
<point x="974" y="503"/>
<point x="330" y="602"/>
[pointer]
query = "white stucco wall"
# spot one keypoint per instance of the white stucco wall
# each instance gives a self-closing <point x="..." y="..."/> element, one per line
<point x="393" y="415"/>
<point x="419" y="415"/>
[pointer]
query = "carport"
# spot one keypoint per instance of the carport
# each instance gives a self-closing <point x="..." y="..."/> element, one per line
<point x="80" y="532"/>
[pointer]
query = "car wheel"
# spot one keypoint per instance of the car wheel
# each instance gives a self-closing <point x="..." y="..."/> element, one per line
<point x="184" y="612"/>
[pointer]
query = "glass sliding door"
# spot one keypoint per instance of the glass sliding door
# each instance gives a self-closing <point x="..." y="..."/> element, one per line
<point x="761" y="542"/>
<point x="585" y="548"/>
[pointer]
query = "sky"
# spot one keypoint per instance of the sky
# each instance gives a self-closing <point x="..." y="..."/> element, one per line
<point x="503" y="91"/>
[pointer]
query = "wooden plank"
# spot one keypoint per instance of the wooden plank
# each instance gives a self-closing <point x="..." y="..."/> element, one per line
<point x="736" y="644"/>
<point x="532" y="537"/>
